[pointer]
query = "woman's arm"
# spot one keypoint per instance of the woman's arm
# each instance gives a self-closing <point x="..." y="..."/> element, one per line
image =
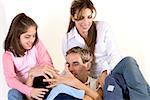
<point x="101" y="79"/>
<point x="89" y="92"/>
<point x="111" y="47"/>
<point x="106" y="53"/>
<point x="70" y="80"/>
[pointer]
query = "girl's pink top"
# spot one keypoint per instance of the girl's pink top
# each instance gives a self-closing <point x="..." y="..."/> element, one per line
<point x="16" y="68"/>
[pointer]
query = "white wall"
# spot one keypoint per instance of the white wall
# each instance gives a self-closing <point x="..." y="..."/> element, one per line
<point x="129" y="20"/>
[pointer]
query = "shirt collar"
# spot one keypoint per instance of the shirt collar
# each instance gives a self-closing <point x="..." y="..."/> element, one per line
<point x="74" y="34"/>
<point x="88" y="81"/>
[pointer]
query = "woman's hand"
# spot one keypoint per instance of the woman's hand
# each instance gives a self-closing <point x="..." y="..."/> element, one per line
<point x="67" y="78"/>
<point x="100" y="83"/>
<point x="101" y="79"/>
<point x="60" y="78"/>
<point x="86" y="97"/>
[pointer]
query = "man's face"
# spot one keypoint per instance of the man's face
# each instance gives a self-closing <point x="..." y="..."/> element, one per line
<point x="76" y="66"/>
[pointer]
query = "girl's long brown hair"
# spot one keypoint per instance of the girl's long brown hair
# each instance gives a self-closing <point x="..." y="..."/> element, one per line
<point x="19" y="25"/>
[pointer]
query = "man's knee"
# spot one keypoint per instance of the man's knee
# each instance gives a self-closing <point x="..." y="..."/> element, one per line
<point x="129" y="59"/>
<point x="130" y="62"/>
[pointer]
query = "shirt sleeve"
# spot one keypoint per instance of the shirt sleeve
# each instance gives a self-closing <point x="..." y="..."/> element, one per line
<point x="43" y="56"/>
<point x="107" y="53"/>
<point x="64" y="45"/>
<point x="112" y="51"/>
<point x="10" y="75"/>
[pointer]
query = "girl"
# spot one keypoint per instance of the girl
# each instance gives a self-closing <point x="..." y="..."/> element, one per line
<point x="24" y="58"/>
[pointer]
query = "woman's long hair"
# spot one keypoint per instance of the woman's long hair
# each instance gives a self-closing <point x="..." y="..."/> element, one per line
<point x="77" y="7"/>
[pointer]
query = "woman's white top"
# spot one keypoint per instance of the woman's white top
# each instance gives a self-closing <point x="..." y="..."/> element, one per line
<point x="106" y="54"/>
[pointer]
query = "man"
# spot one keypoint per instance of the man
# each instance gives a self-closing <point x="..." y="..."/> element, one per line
<point x="76" y="73"/>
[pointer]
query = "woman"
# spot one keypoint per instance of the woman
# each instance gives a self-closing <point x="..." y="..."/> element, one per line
<point x="96" y="36"/>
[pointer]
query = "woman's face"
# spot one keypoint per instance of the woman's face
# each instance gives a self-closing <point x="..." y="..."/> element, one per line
<point x="85" y="23"/>
<point x="27" y="39"/>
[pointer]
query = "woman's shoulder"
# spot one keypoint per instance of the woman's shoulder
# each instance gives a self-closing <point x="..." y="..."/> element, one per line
<point x="101" y="24"/>
<point x="70" y="34"/>
<point x="102" y="28"/>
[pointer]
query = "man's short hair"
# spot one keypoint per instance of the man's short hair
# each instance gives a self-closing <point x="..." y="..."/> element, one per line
<point x="86" y="55"/>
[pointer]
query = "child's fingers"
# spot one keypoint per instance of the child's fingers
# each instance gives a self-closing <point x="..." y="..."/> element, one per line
<point x="42" y="90"/>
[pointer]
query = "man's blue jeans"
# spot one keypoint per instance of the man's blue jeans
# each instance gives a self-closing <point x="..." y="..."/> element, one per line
<point x="14" y="94"/>
<point x="136" y="84"/>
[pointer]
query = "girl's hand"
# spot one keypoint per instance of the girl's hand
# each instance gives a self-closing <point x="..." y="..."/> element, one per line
<point x="38" y="93"/>
<point x="29" y="81"/>
<point x="40" y="71"/>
